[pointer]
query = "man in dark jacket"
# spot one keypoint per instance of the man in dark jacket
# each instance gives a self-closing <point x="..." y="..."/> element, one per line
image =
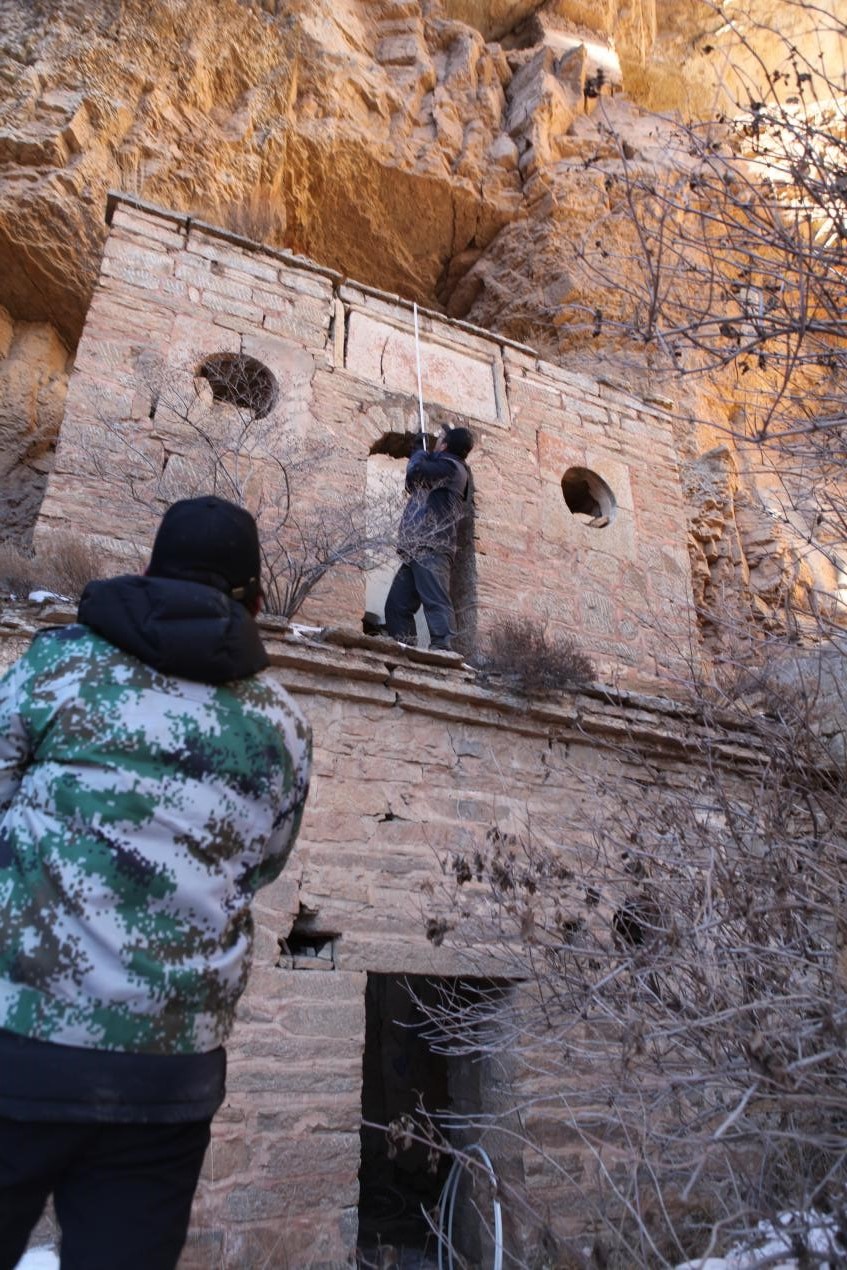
<point x="151" y="780"/>
<point x="437" y="483"/>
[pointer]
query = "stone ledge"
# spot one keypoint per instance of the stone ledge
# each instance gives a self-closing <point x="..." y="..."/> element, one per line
<point x="115" y="198"/>
<point x="441" y="685"/>
<point x="340" y="662"/>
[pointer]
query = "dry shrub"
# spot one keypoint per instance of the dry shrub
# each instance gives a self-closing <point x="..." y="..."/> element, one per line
<point x="69" y="564"/>
<point x="521" y="653"/>
<point x="132" y="174"/>
<point x="19" y="571"/>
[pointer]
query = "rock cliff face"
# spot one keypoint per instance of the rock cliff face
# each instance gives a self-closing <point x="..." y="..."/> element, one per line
<point x="393" y="141"/>
<point x="740" y="559"/>
<point x="33" y="380"/>
<point x="453" y="151"/>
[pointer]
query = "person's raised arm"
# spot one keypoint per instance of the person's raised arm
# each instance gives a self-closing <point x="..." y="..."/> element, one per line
<point x="425" y="468"/>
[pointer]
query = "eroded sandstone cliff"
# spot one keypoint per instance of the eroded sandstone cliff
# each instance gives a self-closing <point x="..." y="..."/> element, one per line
<point x="392" y="141"/>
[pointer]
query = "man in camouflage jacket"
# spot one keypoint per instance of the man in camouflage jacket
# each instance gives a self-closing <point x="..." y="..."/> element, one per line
<point x="151" y="780"/>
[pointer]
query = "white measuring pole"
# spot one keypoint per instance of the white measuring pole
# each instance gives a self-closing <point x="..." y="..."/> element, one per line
<point x="418" y="363"/>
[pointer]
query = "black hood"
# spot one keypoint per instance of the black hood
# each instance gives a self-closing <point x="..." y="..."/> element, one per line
<point x="180" y="628"/>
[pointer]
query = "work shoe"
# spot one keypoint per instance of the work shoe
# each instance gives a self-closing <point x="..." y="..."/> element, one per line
<point x="371" y="625"/>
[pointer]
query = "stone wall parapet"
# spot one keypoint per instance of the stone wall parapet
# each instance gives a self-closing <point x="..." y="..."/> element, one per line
<point x="341" y="663"/>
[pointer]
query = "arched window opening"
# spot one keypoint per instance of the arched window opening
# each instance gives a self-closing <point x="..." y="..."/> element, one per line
<point x="241" y="381"/>
<point x="398" y="445"/>
<point x="589" y="497"/>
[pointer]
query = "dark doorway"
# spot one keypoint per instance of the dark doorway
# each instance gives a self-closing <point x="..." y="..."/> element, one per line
<point x="400" y="1074"/>
<point x="400" y="1183"/>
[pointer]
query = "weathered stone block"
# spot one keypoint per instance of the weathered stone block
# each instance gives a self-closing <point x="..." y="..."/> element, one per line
<point x="149" y="256"/>
<point x="385" y="354"/>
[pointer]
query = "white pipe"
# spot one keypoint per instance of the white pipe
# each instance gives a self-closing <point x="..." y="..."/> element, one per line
<point x="447" y="1206"/>
<point x="418" y="362"/>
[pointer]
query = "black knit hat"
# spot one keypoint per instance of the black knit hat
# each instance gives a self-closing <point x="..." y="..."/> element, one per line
<point x="212" y="541"/>
<point x="459" y="441"/>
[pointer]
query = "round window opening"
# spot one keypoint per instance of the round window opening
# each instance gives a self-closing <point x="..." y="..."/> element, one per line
<point x="588" y="497"/>
<point x="241" y="381"/>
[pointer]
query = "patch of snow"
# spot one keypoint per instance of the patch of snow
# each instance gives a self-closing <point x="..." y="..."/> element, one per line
<point x="818" y="1231"/>
<point x="44" y="597"/>
<point x="39" y="1259"/>
<point x="303" y="632"/>
<point x="710" y="1263"/>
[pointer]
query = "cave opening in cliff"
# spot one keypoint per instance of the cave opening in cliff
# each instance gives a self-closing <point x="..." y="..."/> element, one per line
<point x="385" y="498"/>
<point x="416" y="1074"/>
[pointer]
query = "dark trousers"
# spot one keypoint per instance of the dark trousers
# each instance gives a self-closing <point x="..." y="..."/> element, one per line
<point x="422" y="582"/>
<point x="122" y="1192"/>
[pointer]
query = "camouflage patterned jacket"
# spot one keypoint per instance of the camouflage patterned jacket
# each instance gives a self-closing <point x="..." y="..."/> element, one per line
<point x="140" y="813"/>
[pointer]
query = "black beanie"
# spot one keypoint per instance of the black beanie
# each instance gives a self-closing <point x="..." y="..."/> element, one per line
<point x="212" y="541"/>
<point x="459" y="441"/>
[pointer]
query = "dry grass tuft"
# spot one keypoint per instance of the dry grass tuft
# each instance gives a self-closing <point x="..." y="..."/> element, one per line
<point x="521" y="654"/>
<point x="66" y="568"/>
<point x="19" y="571"/>
<point x="73" y="562"/>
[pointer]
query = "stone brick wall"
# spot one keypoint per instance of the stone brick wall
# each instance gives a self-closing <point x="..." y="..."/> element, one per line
<point x="414" y="760"/>
<point x="174" y="290"/>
